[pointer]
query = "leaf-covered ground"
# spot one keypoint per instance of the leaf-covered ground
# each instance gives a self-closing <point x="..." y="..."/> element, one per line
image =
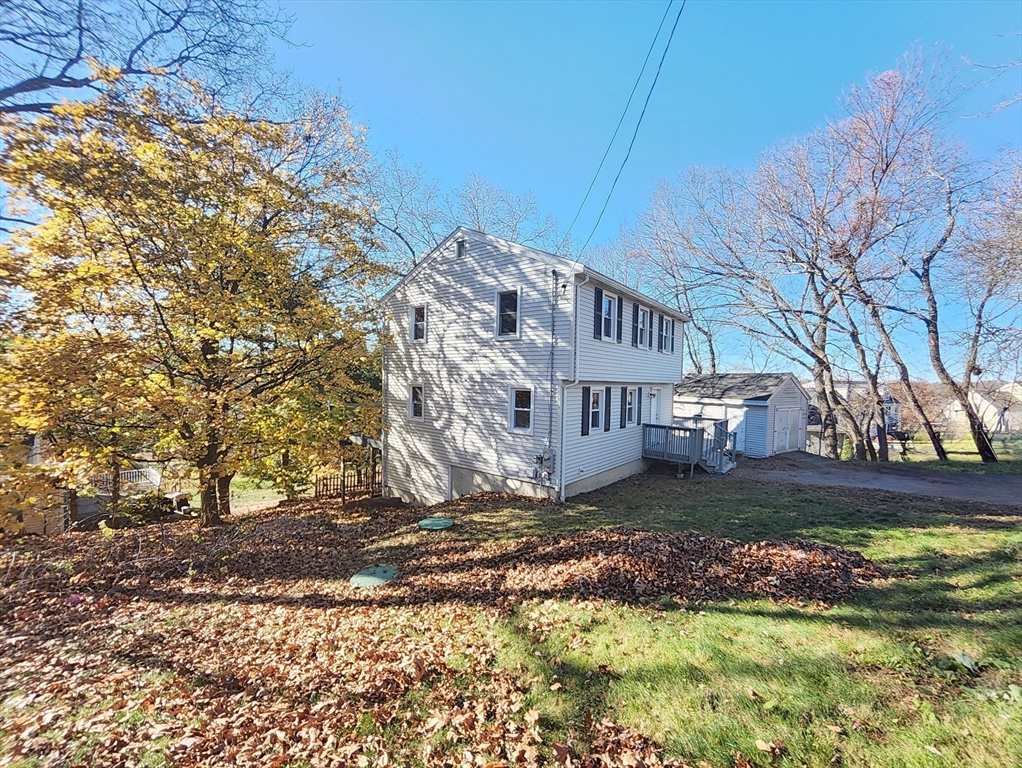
<point x="247" y="646"/>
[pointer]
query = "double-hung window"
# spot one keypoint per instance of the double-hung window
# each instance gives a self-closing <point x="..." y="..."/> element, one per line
<point x="630" y="407"/>
<point x="521" y="410"/>
<point x="415" y="401"/>
<point x="608" y="317"/>
<point x="419" y="323"/>
<point x="643" y="327"/>
<point x="508" y="323"/>
<point x="595" y="410"/>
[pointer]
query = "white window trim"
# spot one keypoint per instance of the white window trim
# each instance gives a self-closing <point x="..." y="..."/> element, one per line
<point x="511" y="410"/>
<point x="598" y="393"/>
<point x="648" y="314"/>
<point x="425" y="324"/>
<point x="408" y="410"/>
<point x="496" y="315"/>
<point x="630" y="406"/>
<point x="614" y="299"/>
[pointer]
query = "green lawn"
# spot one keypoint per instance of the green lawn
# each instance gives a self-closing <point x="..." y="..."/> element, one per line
<point x="258" y="641"/>
<point x="962" y="456"/>
<point x="873" y="682"/>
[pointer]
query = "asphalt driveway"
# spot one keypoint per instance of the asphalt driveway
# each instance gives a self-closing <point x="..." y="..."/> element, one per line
<point x="806" y="468"/>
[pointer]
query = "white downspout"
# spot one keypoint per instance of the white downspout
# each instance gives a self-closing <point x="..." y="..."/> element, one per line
<point x="564" y="399"/>
<point x="574" y="377"/>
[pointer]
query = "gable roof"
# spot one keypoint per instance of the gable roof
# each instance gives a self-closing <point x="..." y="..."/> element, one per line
<point x="733" y="386"/>
<point x="569" y="267"/>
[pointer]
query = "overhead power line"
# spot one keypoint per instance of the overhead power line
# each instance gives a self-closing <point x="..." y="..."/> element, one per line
<point x="621" y="120"/>
<point x="636" y="131"/>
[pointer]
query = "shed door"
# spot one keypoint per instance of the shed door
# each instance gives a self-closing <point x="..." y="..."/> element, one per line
<point x="785" y="430"/>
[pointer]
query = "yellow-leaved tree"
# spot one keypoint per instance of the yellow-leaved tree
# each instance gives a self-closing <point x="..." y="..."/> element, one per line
<point x="187" y="270"/>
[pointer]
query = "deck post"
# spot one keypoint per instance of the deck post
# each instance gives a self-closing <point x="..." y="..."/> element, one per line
<point x="696" y="451"/>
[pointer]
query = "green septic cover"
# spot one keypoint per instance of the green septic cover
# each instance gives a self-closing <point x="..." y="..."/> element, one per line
<point x="435" y="523"/>
<point x="374" y="576"/>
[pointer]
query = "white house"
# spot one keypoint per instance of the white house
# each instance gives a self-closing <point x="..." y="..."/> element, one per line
<point x="510" y="369"/>
<point x="998" y="406"/>
<point x="768" y="412"/>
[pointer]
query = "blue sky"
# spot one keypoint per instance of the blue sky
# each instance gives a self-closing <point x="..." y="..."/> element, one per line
<point x="527" y="94"/>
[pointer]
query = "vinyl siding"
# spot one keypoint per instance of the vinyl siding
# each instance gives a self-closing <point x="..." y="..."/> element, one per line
<point x="599" y="451"/>
<point x="605" y="360"/>
<point x="715" y="409"/>
<point x="467" y="373"/>
<point x="756" y="432"/>
<point x="788" y="395"/>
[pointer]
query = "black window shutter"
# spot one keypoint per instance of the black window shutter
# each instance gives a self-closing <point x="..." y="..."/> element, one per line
<point x="606" y="410"/>
<point x="598" y="314"/>
<point x="624" y="406"/>
<point x="660" y="334"/>
<point x="586" y="393"/>
<point x="620" y="316"/>
<point x="638" y="406"/>
<point x="672" y="337"/>
<point x="635" y="325"/>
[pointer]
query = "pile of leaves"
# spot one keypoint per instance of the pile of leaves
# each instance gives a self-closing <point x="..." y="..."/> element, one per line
<point x="246" y="645"/>
<point x="636" y="566"/>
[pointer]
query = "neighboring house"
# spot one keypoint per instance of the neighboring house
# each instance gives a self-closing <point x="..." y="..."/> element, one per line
<point x="999" y="407"/>
<point x="55" y="516"/>
<point x="510" y="369"/>
<point x="768" y="412"/>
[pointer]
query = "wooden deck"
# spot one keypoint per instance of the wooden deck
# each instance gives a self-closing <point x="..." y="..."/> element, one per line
<point x="678" y="444"/>
<point x="707" y="444"/>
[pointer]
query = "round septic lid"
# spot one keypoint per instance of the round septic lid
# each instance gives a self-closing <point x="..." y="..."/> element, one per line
<point x="374" y="576"/>
<point x="435" y="523"/>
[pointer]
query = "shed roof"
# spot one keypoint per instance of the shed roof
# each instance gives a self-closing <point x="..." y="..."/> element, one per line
<point x="731" y="386"/>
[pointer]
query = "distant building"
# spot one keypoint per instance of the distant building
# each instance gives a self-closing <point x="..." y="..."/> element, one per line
<point x="998" y="405"/>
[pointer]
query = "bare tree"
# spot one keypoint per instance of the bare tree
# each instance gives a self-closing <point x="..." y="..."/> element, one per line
<point x="415" y="214"/>
<point x="756" y="264"/>
<point x="909" y="192"/>
<point x="51" y="49"/>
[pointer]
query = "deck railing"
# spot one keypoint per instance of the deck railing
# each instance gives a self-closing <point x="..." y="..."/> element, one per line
<point x="682" y="445"/>
<point x="146" y="478"/>
<point x="692" y="442"/>
<point x="350" y="483"/>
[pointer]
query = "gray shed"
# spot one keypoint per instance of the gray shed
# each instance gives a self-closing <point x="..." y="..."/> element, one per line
<point x="768" y="412"/>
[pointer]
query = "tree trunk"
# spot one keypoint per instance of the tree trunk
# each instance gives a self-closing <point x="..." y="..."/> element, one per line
<point x="223" y="494"/>
<point x="979" y="434"/>
<point x="828" y="419"/>
<point x="871" y="453"/>
<point x="883" y="451"/>
<point x="892" y="352"/>
<point x="72" y="505"/>
<point x="115" y="490"/>
<point x="851" y="425"/>
<point x="209" y="509"/>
